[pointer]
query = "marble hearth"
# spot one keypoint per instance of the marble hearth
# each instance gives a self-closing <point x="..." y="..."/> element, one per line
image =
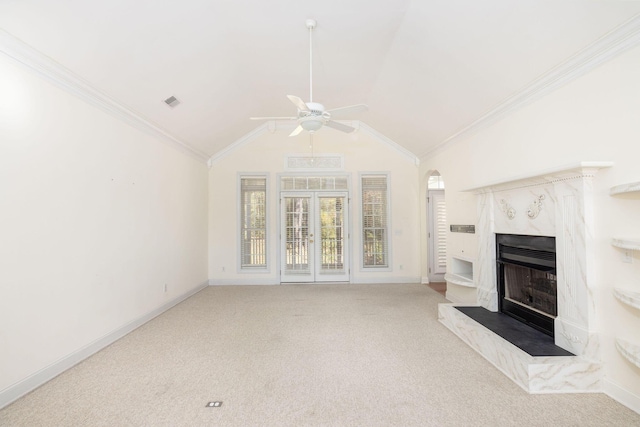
<point x="551" y="203"/>
<point x="535" y="374"/>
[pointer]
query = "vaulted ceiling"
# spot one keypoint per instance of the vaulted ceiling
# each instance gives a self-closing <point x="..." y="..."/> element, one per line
<point x="426" y="68"/>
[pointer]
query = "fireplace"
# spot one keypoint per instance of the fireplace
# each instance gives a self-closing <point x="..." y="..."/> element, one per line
<point x="512" y="215"/>
<point x="527" y="281"/>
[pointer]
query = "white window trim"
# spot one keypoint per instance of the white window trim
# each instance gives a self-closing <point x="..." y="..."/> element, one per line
<point x="239" y="268"/>
<point x="312" y="174"/>
<point x="371" y="269"/>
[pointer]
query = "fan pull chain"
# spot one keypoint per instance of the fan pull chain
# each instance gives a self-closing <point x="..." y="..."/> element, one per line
<point x="311" y="146"/>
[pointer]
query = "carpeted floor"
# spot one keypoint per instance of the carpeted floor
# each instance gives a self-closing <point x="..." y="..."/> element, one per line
<point x="300" y="355"/>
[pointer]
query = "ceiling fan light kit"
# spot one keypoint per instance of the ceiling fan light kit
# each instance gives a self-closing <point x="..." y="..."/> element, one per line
<point x="311" y="115"/>
<point x="311" y="125"/>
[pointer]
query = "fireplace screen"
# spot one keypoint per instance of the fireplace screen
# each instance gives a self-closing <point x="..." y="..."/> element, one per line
<point x="533" y="288"/>
<point x="527" y="281"/>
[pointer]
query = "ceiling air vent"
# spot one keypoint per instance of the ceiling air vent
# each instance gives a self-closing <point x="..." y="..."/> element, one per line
<point x="172" y="101"/>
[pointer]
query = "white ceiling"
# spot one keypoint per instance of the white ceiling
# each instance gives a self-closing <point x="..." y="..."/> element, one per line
<point x="426" y="68"/>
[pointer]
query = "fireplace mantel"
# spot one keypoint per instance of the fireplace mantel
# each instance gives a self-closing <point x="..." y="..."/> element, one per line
<point x="554" y="202"/>
<point x="542" y="177"/>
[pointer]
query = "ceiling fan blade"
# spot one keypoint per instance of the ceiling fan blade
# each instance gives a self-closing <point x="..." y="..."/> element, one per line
<point x="345" y="111"/>
<point x="296" y="131"/>
<point x="272" y="118"/>
<point x="298" y="103"/>
<point x="340" y="126"/>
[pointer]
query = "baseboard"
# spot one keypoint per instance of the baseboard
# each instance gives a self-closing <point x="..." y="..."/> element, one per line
<point x="621" y="395"/>
<point x="385" y="279"/>
<point x="425" y="280"/>
<point x="19" y="389"/>
<point x="242" y="282"/>
<point x="354" y="280"/>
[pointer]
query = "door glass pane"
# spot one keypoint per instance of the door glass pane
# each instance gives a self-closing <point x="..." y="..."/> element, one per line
<point x="296" y="235"/>
<point x="331" y="234"/>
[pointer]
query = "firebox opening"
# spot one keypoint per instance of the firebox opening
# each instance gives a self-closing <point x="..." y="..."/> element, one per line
<point x="527" y="281"/>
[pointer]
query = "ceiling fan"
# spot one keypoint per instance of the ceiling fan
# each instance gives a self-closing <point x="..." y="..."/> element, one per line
<point x="312" y="115"/>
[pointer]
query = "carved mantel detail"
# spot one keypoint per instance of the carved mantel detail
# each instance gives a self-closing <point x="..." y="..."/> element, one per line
<point x="508" y="210"/>
<point x="535" y="207"/>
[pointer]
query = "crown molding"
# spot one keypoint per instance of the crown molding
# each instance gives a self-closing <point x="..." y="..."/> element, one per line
<point x="607" y="47"/>
<point x="551" y="175"/>
<point x="45" y="67"/>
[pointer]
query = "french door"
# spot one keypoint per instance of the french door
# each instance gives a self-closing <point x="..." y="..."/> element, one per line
<point x="314" y="232"/>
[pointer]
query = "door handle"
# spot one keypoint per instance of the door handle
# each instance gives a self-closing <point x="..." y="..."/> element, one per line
<point x="310" y="241"/>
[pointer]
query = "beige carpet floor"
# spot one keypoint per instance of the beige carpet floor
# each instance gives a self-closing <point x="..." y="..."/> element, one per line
<point x="300" y="355"/>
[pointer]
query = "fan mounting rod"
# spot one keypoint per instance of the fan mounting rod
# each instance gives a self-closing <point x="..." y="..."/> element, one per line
<point x="311" y="24"/>
<point x="311" y="115"/>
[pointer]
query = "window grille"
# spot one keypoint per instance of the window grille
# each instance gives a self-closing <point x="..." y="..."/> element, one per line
<point x="289" y="183"/>
<point x="375" y="237"/>
<point x="253" y="228"/>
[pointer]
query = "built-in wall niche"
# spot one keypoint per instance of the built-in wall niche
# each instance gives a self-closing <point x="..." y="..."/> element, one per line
<point x="630" y="350"/>
<point x="460" y="272"/>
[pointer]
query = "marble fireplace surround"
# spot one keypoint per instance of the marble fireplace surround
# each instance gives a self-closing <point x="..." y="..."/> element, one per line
<point x="555" y="202"/>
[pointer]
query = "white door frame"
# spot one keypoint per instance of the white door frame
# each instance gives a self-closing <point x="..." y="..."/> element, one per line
<point x="435" y="272"/>
<point x="312" y="240"/>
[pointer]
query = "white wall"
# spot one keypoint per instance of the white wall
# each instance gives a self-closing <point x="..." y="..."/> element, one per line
<point x="595" y="118"/>
<point x="96" y="217"/>
<point x="363" y="152"/>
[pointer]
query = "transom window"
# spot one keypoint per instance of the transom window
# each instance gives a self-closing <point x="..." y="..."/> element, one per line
<point x="288" y="183"/>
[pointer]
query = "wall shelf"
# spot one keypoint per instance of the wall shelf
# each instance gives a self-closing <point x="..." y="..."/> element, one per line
<point x="628" y="297"/>
<point x="460" y="280"/>
<point x="461" y="272"/>
<point x="629" y="350"/>
<point x="632" y="187"/>
<point x="626" y="243"/>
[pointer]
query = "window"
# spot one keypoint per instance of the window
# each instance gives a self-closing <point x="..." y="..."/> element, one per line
<point x="253" y="223"/>
<point x="375" y="247"/>
<point x="292" y="183"/>
<point x="435" y="182"/>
